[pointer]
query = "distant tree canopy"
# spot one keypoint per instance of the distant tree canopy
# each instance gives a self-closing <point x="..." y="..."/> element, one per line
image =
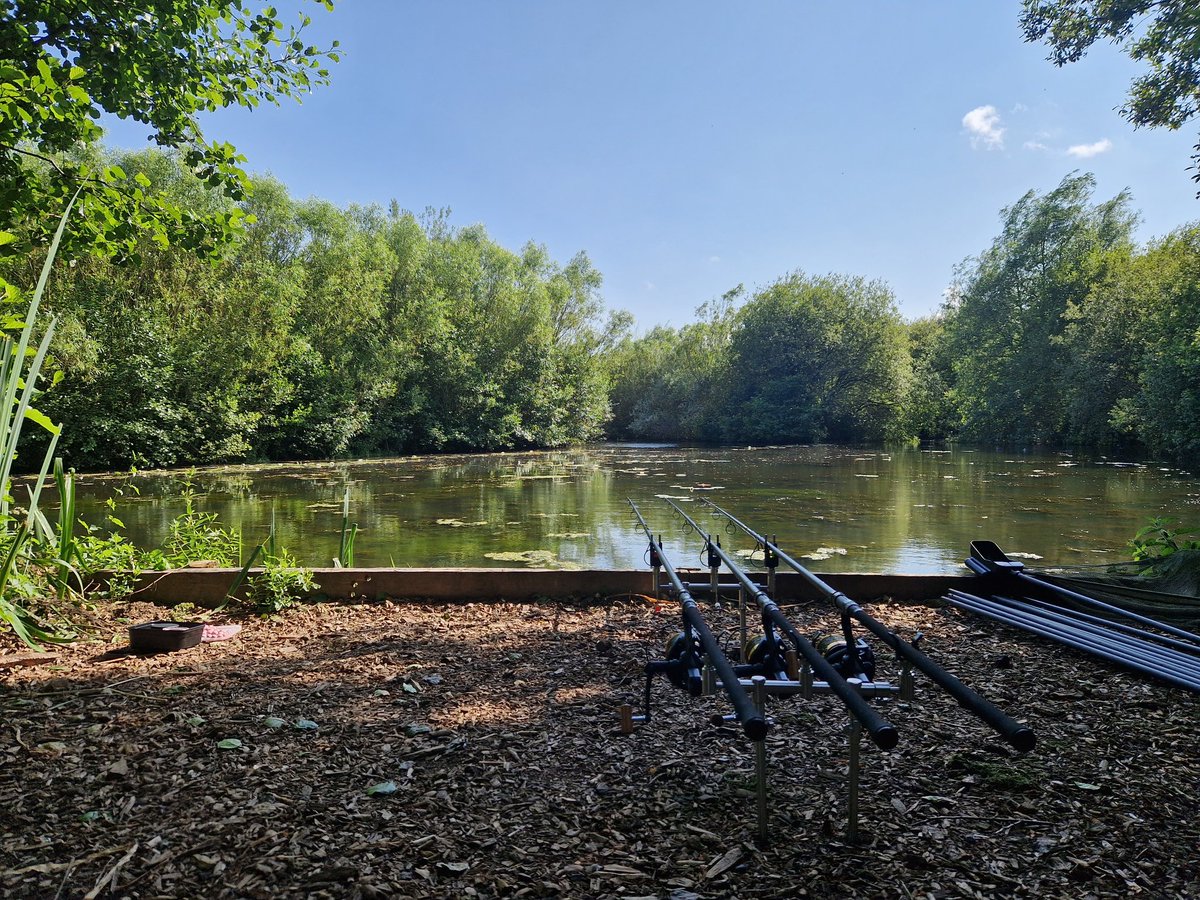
<point x="323" y="332"/>
<point x="1015" y="374"/>
<point x="330" y="331"/>
<point x="818" y="358"/>
<point x="1161" y="33"/>
<point x="1062" y="333"/>
<point x="158" y="62"/>
<point x="805" y="359"/>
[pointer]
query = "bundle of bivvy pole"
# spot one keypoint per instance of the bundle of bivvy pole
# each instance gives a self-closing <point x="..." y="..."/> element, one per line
<point x="780" y="662"/>
<point x="1043" y="606"/>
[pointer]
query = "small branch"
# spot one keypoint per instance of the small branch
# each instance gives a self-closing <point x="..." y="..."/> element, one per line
<point x="111" y="875"/>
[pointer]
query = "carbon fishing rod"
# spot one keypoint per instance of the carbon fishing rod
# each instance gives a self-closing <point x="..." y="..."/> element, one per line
<point x="881" y="732"/>
<point x="1007" y="612"/>
<point x="754" y="724"/>
<point x="1021" y="737"/>
<point x="988" y="559"/>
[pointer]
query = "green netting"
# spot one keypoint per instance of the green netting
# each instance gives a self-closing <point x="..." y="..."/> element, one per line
<point x="1166" y="589"/>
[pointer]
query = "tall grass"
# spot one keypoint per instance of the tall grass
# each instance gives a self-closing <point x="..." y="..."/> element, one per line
<point x="21" y="360"/>
<point x="345" y="557"/>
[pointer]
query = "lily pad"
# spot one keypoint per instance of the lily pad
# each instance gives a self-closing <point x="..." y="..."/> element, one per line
<point x="536" y="559"/>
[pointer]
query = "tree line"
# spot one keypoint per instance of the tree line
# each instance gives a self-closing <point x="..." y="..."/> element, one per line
<point x="328" y="331"/>
<point x="322" y="332"/>
<point x="1064" y="332"/>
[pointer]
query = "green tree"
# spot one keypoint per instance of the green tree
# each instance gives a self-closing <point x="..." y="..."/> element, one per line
<point x="1167" y="407"/>
<point x="1160" y="33"/>
<point x="670" y="383"/>
<point x="818" y="358"/>
<point x="1105" y="339"/>
<point x="929" y="411"/>
<point x="1005" y="327"/>
<point x="173" y="359"/>
<point x="162" y="63"/>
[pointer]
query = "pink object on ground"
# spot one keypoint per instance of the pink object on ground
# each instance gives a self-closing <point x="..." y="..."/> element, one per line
<point x="219" y="632"/>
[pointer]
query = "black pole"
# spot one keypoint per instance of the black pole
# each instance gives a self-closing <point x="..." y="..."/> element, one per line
<point x="881" y="732"/>
<point x="981" y="607"/>
<point x="1182" y="646"/>
<point x="1085" y="600"/>
<point x="753" y="723"/>
<point x="1019" y="736"/>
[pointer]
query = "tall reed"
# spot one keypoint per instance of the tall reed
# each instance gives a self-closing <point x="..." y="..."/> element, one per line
<point x="345" y="557"/>
<point x="20" y="370"/>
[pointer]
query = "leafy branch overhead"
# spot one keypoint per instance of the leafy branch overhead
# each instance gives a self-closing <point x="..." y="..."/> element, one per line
<point x="1160" y="33"/>
<point x="161" y="63"/>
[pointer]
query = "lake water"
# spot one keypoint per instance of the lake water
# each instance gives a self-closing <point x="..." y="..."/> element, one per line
<point x="844" y="509"/>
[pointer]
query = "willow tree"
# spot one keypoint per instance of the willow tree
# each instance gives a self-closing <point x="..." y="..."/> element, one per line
<point x="1013" y="377"/>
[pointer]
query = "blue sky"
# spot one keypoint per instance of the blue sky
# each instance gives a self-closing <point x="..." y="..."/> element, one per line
<point x="690" y="145"/>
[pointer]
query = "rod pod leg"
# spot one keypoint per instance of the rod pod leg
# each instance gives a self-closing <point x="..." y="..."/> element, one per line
<point x="852" y="774"/>
<point x="760" y="760"/>
<point x="742" y="628"/>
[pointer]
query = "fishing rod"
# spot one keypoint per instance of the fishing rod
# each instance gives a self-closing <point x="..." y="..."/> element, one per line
<point x="1021" y="737"/>
<point x="1170" y="666"/>
<point x="754" y="724"/>
<point x="881" y="732"/>
<point x="988" y="559"/>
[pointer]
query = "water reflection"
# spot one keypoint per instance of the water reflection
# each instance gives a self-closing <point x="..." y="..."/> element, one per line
<point x="844" y="508"/>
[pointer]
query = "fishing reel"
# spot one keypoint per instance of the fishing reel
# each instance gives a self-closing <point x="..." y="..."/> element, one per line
<point x="757" y="649"/>
<point x="677" y="647"/>
<point x="833" y="648"/>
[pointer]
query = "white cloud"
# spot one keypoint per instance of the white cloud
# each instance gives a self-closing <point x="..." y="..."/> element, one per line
<point x="983" y="124"/>
<point x="1035" y="145"/>
<point x="1087" y="151"/>
<point x="714" y="259"/>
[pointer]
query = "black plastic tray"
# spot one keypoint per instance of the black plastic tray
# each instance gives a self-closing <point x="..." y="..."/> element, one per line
<point x="160" y="637"/>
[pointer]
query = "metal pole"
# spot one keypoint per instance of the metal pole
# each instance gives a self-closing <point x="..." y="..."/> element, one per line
<point x="742" y="622"/>
<point x="714" y="576"/>
<point x="852" y="809"/>
<point x="760" y="758"/>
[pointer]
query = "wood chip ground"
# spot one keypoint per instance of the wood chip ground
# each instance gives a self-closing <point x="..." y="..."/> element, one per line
<point x="488" y="733"/>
